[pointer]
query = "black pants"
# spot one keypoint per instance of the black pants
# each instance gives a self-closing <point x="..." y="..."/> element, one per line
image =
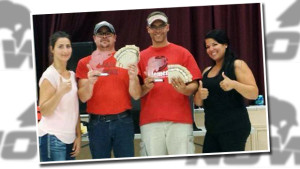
<point x="226" y="142"/>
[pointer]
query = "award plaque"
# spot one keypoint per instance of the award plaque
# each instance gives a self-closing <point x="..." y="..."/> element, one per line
<point x="158" y="80"/>
<point x="97" y="60"/>
<point x="102" y="74"/>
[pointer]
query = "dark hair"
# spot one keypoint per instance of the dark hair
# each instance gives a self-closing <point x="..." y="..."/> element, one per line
<point x="221" y="37"/>
<point x="56" y="35"/>
<point x="53" y="38"/>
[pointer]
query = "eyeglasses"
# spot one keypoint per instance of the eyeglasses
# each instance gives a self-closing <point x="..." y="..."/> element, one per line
<point x="159" y="27"/>
<point x="102" y="34"/>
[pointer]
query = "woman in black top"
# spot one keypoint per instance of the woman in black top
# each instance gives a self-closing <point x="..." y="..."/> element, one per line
<point x="221" y="93"/>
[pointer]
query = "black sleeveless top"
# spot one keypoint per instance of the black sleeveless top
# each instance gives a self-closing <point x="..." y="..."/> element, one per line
<point x="224" y="111"/>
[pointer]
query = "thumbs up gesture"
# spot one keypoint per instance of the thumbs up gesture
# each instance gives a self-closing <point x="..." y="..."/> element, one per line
<point x="202" y="91"/>
<point x="64" y="86"/>
<point x="227" y="83"/>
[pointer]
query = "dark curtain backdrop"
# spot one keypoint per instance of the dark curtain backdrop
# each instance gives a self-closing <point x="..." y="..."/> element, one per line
<point x="188" y="26"/>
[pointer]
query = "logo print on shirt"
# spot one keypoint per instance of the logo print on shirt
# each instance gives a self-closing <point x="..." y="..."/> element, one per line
<point x="156" y="66"/>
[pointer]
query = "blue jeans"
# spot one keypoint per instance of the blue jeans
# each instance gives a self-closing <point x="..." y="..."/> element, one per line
<point x="116" y="135"/>
<point x="52" y="149"/>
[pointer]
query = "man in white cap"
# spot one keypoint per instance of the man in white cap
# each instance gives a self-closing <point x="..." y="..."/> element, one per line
<point x="107" y="90"/>
<point x="165" y="117"/>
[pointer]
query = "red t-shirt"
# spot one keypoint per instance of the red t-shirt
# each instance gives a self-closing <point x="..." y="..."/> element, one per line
<point x="110" y="94"/>
<point x="163" y="102"/>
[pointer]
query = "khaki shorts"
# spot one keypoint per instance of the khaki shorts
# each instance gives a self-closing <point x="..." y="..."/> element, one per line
<point x="167" y="138"/>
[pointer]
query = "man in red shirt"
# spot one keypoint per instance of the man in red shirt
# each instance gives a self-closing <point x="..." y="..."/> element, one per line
<point x="166" y="116"/>
<point x="107" y="90"/>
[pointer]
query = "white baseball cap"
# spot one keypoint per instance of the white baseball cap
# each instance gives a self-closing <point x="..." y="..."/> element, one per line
<point x="157" y="15"/>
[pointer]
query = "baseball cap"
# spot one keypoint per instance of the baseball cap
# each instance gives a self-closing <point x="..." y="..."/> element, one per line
<point x="104" y="23"/>
<point x="157" y="15"/>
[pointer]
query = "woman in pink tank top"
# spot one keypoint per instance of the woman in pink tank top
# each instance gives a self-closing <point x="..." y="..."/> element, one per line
<point x="59" y="128"/>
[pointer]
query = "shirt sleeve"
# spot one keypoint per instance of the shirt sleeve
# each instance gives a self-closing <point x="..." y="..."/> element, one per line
<point x="50" y="76"/>
<point x="81" y="70"/>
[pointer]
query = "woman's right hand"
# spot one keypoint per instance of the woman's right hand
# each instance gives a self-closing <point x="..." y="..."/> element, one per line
<point x="203" y="92"/>
<point x="64" y="86"/>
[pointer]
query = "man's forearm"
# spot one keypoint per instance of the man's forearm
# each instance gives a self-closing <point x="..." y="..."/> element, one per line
<point x="135" y="89"/>
<point x="85" y="91"/>
<point x="190" y="88"/>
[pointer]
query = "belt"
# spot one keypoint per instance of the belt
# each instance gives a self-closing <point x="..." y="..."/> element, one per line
<point x="110" y="117"/>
